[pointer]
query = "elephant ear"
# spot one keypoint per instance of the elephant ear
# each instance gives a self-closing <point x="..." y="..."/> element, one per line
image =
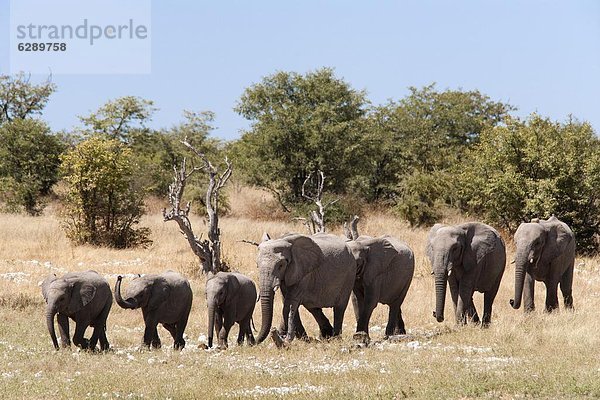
<point x="82" y="294"/>
<point x="558" y="237"/>
<point x="159" y="293"/>
<point x="480" y="241"/>
<point x="306" y="256"/>
<point x="430" y="236"/>
<point x="46" y="285"/>
<point x="233" y="288"/>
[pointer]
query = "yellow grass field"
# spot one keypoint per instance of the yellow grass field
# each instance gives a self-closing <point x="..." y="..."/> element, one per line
<point x="538" y="355"/>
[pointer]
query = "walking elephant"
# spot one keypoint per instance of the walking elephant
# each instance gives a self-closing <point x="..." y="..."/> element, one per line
<point x="164" y="298"/>
<point x="546" y="253"/>
<point x="469" y="257"/>
<point x="316" y="271"/>
<point x="230" y="298"/>
<point x="385" y="268"/>
<point x="85" y="297"/>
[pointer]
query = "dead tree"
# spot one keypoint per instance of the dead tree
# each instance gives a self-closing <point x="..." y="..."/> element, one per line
<point x="351" y="230"/>
<point x="207" y="250"/>
<point x="316" y="220"/>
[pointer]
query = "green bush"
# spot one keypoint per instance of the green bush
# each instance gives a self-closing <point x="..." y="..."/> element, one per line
<point x="29" y="163"/>
<point x="104" y="202"/>
<point x="535" y="168"/>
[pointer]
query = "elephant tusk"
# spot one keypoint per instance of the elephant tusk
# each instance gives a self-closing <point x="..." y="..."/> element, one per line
<point x="531" y="260"/>
<point x="275" y="288"/>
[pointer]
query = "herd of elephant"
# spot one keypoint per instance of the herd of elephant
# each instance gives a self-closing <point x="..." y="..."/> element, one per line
<point x="321" y="271"/>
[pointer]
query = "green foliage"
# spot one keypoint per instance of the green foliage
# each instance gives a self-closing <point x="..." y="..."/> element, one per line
<point x="104" y="201"/>
<point x="536" y="168"/>
<point x="19" y="98"/>
<point x="122" y="118"/>
<point x="413" y="143"/>
<point x="300" y="124"/>
<point x="29" y="162"/>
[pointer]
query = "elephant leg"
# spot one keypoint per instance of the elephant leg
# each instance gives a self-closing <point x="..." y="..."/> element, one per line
<point x="179" y="342"/>
<point x="151" y="338"/>
<point x="78" y="338"/>
<point x="249" y="336"/>
<point x="464" y="304"/>
<point x="63" y="327"/>
<point x="228" y="321"/>
<point x="471" y="312"/>
<point x="358" y="299"/>
<point x="242" y="332"/>
<point x="400" y="329"/>
<point x="171" y="329"/>
<point x="394" y="313"/>
<point x="529" y="293"/>
<point x="218" y="322"/>
<point x="292" y="317"/>
<point x="104" y="345"/>
<point x="453" y="284"/>
<point x="488" y="301"/>
<point x="369" y="304"/>
<point x="551" y="296"/>
<point x="324" y="325"/>
<point x="566" y="287"/>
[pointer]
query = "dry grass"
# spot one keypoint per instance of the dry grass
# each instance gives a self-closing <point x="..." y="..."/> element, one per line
<point x="539" y="355"/>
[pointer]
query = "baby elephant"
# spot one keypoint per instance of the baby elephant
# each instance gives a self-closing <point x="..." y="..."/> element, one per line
<point x="164" y="298"/>
<point x="85" y="297"/>
<point x="230" y="298"/>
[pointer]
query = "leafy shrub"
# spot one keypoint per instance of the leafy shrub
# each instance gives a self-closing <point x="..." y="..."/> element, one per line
<point x="536" y="168"/>
<point x="104" y="202"/>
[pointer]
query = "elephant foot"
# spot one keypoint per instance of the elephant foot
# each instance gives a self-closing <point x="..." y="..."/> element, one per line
<point x="279" y="342"/>
<point x="362" y="338"/>
<point x="179" y="344"/>
<point x="156" y="344"/>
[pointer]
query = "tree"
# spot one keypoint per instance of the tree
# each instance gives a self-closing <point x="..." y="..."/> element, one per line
<point x="123" y="118"/>
<point x="104" y="202"/>
<point x="411" y="144"/>
<point x="535" y="168"/>
<point x="29" y="163"/>
<point x="208" y="251"/>
<point x="300" y="124"/>
<point x="20" y="99"/>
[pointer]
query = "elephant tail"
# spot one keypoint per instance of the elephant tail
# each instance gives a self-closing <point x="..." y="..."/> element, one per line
<point x="252" y="324"/>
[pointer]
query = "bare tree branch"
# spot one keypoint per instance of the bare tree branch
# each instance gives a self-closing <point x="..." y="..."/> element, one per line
<point x="208" y="250"/>
<point x="249" y="242"/>
<point x="317" y="217"/>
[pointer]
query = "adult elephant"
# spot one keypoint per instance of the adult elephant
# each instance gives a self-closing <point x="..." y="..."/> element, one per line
<point x="546" y="253"/>
<point x="316" y="271"/>
<point x="385" y="268"/>
<point x="164" y="298"/>
<point x="468" y="257"/>
<point x="85" y="297"/>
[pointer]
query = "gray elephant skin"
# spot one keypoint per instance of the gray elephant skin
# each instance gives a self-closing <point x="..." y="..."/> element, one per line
<point x="230" y="298"/>
<point x="545" y="253"/>
<point x="316" y="271"/>
<point x="86" y="298"/>
<point x="165" y="298"/>
<point x="468" y="257"/>
<point x="385" y="268"/>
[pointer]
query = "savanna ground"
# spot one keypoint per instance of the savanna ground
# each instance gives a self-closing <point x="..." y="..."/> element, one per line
<point x="537" y="355"/>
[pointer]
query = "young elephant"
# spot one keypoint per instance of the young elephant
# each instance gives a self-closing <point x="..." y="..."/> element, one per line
<point x="385" y="267"/>
<point x="165" y="299"/>
<point x="546" y="253"/>
<point x="230" y="298"/>
<point x="85" y="297"/>
<point x="469" y="257"/>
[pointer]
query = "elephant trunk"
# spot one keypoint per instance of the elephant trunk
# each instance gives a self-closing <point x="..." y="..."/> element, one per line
<point x="521" y="261"/>
<point x="441" y="278"/>
<point x="50" y="313"/>
<point x="267" y="296"/>
<point x="211" y="322"/>
<point x="129" y="303"/>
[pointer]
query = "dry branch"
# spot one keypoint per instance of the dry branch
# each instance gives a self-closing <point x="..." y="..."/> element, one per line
<point x="317" y="218"/>
<point x="207" y="250"/>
